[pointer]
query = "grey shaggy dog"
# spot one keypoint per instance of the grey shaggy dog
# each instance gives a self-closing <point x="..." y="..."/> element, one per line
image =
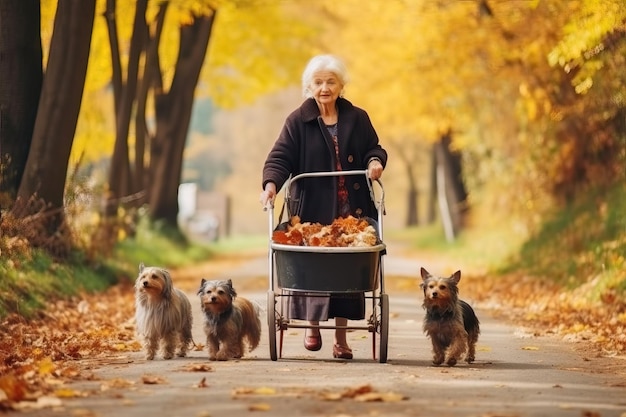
<point x="162" y="314"/>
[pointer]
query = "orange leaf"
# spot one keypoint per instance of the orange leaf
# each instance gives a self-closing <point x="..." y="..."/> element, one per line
<point x="14" y="388"/>
<point x="259" y="407"/>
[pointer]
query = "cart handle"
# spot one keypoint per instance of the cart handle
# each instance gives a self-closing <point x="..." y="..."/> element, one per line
<point x="380" y="206"/>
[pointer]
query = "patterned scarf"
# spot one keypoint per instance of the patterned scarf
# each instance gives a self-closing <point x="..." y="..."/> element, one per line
<point x="342" y="192"/>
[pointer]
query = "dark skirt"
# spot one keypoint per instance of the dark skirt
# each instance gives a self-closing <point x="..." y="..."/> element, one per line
<point x="323" y="306"/>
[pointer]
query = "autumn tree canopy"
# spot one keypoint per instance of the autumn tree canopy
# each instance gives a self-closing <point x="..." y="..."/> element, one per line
<point x="532" y="92"/>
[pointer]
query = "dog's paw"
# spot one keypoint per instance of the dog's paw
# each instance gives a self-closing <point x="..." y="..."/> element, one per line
<point x="222" y="356"/>
<point x="451" y="362"/>
<point x="149" y="356"/>
<point x="168" y="355"/>
<point x="181" y="354"/>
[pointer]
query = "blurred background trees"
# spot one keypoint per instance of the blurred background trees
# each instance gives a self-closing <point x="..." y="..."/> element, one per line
<point x="531" y="96"/>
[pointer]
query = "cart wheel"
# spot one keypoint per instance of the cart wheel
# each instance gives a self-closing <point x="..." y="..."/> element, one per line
<point x="271" y="323"/>
<point x="384" y="327"/>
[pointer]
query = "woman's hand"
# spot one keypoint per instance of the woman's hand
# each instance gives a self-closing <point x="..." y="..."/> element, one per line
<point x="374" y="169"/>
<point x="267" y="195"/>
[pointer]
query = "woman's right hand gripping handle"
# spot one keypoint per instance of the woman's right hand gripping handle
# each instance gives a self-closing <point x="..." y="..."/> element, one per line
<point x="267" y="196"/>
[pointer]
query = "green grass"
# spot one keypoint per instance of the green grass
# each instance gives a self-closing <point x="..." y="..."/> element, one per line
<point x="242" y="243"/>
<point x="579" y="246"/>
<point x="28" y="284"/>
<point x="582" y="242"/>
<point x="479" y="248"/>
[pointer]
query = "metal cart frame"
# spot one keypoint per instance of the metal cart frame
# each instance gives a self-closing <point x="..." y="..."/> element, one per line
<point x="378" y="321"/>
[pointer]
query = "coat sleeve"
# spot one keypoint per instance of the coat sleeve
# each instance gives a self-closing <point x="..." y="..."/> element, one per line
<point x="373" y="147"/>
<point x="283" y="158"/>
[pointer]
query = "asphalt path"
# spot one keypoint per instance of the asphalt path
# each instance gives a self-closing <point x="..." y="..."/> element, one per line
<point x="515" y="374"/>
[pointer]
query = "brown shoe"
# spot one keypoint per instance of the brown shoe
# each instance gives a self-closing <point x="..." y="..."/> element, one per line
<point x="342" y="352"/>
<point x="313" y="343"/>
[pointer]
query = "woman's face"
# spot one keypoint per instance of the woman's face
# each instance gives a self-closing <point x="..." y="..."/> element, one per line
<point x="325" y="87"/>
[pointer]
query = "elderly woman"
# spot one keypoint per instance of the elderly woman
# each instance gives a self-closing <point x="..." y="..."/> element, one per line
<point x="326" y="133"/>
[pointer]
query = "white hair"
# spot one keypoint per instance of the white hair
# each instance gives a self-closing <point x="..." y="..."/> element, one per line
<point x="323" y="63"/>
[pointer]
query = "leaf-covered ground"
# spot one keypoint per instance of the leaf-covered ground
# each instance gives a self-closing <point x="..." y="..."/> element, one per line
<point x="38" y="358"/>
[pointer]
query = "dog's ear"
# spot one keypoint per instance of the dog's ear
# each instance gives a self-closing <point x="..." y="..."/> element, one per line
<point x="202" y="282"/>
<point x="233" y="293"/>
<point x="141" y="267"/>
<point x="424" y="273"/>
<point x="169" y="284"/>
<point x="456" y="277"/>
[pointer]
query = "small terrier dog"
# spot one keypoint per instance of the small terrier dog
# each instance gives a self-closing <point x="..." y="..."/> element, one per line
<point x="450" y="323"/>
<point x="228" y="320"/>
<point x="162" y="313"/>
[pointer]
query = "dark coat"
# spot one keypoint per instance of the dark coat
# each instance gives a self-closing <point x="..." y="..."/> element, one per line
<point x="304" y="145"/>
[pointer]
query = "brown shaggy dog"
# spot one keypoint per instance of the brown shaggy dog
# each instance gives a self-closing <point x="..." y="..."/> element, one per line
<point x="228" y="320"/>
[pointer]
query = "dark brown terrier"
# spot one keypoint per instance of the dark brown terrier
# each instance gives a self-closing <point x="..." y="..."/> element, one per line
<point x="228" y="321"/>
<point x="450" y="323"/>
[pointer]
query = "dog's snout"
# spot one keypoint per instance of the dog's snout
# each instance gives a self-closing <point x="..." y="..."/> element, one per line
<point x="145" y="284"/>
<point x="213" y="298"/>
<point x="434" y="294"/>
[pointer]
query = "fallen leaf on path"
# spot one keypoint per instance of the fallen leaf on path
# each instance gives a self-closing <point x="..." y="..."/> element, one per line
<point x="83" y="412"/>
<point x="353" y="392"/>
<point x="530" y="348"/>
<point x="363" y="393"/>
<point x="331" y="396"/>
<point x="14" y="388"/>
<point x="42" y="402"/>
<point x="153" y="379"/>
<point x="201" y="384"/>
<point x="116" y="383"/>
<point x="254" y="391"/>
<point x="45" y="366"/>
<point x="385" y="397"/>
<point x="68" y="393"/>
<point x="259" y="407"/>
<point x="198" y="367"/>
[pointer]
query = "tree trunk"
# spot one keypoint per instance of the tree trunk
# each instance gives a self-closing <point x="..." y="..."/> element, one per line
<point x="21" y="77"/>
<point x="151" y="79"/>
<point x="451" y="192"/>
<point x="173" y="111"/>
<point x="412" y="218"/>
<point x="408" y="153"/>
<point x="431" y="214"/>
<point x="59" y="106"/>
<point x="120" y="181"/>
<point x="116" y="65"/>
